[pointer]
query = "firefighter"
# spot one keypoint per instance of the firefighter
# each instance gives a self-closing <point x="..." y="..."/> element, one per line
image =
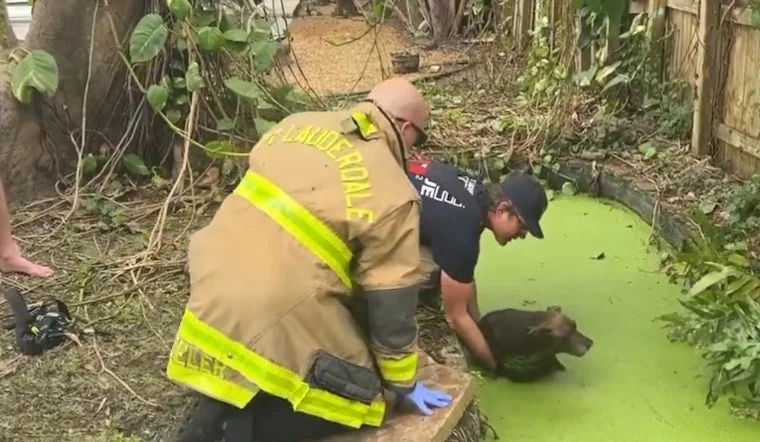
<point x="324" y="213"/>
<point x="456" y="210"/>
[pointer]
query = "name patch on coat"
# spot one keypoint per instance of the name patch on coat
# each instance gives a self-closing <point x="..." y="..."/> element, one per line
<point x="194" y="359"/>
<point x="354" y="175"/>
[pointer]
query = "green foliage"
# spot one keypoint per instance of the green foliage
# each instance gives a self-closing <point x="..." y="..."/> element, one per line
<point x="755" y="13"/>
<point x="721" y="295"/>
<point x="37" y="71"/>
<point x="743" y="209"/>
<point x="148" y="38"/>
<point x="187" y="46"/>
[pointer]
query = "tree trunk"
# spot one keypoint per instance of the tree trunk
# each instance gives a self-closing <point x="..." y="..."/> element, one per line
<point x="8" y="38"/>
<point x="346" y="8"/>
<point x="36" y="138"/>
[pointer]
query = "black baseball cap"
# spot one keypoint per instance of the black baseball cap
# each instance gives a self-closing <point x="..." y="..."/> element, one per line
<point x="527" y="196"/>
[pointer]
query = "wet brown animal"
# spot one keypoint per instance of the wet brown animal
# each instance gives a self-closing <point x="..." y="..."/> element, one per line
<point x="525" y="343"/>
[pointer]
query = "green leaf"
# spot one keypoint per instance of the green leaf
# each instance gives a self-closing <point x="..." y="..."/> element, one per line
<point x="218" y="148"/>
<point x="38" y="70"/>
<point x="606" y="71"/>
<point x="89" y="164"/>
<point x="569" y="189"/>
<point x="135" y="165"/>
<point x="210" y="39"/>
<point x="622" y="78"/>
<point x="585" y="78"/>
<point x="203" y="18"/>
<point x="648" y="150"/>
<point x="181" y="100"/>
<point x="755" y="20"/>
<point x="263" y="55"/>
<point x="225" y="124"/>
<point x="179" y="83"/>
<point x="707" y="281"/>
<point x="148" y="38"/>
<point x="180" y="8"/>
<point x="157" y="96"/>
<point x="193" y="78"/>
<point x="263" y="126"/>
<point x="708" y="207"/>
<point x="243" y="88"/>
<point x="236" y="35"/>
<point x="173" y="115"/>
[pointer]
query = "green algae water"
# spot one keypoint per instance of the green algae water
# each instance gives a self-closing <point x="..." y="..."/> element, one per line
<point x="633" y="385"/>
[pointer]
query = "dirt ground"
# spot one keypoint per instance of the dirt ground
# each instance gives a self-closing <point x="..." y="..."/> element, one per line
<point x="343" y="55"/>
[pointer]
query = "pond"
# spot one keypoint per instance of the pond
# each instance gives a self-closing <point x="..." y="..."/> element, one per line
<point x="634" y="384"/>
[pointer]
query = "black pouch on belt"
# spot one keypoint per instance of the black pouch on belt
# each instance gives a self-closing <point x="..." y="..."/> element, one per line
<point x="343" y="378"/>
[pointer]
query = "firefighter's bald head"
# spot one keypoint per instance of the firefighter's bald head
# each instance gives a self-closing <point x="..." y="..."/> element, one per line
<point x="404" y="102"/>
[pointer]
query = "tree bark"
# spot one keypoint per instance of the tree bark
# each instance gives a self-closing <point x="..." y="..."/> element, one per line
<point x="8" y="38"/>
<point x="36" y="138"/>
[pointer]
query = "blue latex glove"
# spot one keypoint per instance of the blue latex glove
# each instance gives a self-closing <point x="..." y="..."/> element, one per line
<point x="422" y="397"/>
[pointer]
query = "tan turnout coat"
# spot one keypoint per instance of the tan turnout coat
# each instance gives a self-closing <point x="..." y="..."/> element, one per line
<point x="266" y="313"/>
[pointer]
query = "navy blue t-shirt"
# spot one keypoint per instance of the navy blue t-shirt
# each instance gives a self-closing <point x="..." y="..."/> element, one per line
<point x="449" y="228"/>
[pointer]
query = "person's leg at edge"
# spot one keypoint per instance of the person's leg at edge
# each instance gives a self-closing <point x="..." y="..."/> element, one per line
<point x="11" y="260"/>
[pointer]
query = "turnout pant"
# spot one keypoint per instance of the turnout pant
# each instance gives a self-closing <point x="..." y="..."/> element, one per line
<point x="265" y="419"/>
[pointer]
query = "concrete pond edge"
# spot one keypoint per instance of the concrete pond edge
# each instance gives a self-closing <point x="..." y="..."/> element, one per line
<point x="598" y="179"/>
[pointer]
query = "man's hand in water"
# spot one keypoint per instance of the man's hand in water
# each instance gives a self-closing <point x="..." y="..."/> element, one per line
<point x="11" y="261"/>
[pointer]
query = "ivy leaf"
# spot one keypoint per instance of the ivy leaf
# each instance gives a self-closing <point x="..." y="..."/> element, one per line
<point x="193" y="78"/>
<point x="210" y="39"/>
<point x="263" y="126"/>
<point x="180" y="8"/>
<point x="173" y="115"/>
<point x="237" y="35"/>
<point x="89" y="164"/>
<point x="243" y="88"/>
<point x="38" y="70"/>
<point x="148" y="38"/>
<point x="225" y="124"/>
<point x="263" y="55"/>
<point x="157" y="96"/>
<point x="135" y="165"/>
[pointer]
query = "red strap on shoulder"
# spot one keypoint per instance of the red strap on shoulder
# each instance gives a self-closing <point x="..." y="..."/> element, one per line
<point x="417" y="166"/>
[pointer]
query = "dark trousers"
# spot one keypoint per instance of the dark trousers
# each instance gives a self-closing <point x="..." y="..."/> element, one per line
<point x="268" y="418"/>
<point x="265" y="419"/>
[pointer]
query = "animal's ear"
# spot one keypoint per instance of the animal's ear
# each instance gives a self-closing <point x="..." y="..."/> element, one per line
<point x="554" y="308"/>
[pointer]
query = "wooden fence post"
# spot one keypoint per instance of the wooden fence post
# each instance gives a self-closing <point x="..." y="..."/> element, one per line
<point x="523" y="21"/>
<point x="612" y="42"/>
<point x="701" y="136"/>
<point x="584" y="57"/>
<point x="555" y="17"/>
<point x="655" y="32"/>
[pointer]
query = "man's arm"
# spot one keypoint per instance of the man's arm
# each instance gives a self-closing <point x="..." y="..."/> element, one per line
<point x="456" y="297"/>
<point x="388" y="274"/>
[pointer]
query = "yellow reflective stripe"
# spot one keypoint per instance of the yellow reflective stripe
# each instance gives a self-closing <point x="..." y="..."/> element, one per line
<point x="365" y="125"/>
<point x="298" y="221"/>
<point x="398" y="370"/>
<point x="277" y="380"/>
<point x="209" y="385"/>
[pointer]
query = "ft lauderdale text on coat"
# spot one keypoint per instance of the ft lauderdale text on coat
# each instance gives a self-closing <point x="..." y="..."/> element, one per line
<point x="353" y="173"/>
